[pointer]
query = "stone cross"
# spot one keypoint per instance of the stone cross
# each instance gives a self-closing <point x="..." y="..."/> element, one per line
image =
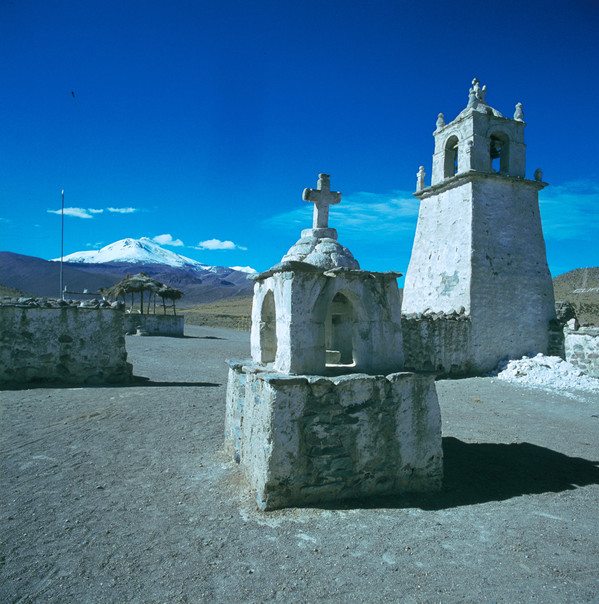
<point x="322" y="197"/>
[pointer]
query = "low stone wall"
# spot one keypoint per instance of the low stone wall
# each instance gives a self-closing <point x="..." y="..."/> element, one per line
<point x="582" y="348"/>
<point x="154" y="325"/>
<point x="76" y="344"/>
<point x="437" y="342"/>
<point x="310" y="439"/>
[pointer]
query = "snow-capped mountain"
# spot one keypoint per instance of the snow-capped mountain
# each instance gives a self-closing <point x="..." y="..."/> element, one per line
<point x="143" y="251"/>
<point x="244" y="269"/>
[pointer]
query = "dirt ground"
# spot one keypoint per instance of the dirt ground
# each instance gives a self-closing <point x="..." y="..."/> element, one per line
<point x="123" y="494"/>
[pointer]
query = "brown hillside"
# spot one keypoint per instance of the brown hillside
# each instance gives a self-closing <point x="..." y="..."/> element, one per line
<point x="231" y="313"/>
<point x="580" y="288"/>
<point x="12" y="292"/>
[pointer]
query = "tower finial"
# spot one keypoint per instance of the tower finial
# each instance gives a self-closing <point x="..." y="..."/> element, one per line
<point x="420" y="179"/>
<point x="476" y="94"/>
<point x="519" y="114"/>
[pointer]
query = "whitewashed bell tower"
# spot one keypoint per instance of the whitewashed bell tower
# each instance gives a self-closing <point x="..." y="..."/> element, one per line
<point x="479" y="249"/>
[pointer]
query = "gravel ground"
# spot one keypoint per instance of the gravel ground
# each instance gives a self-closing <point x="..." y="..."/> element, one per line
<point x="123" y="494"/>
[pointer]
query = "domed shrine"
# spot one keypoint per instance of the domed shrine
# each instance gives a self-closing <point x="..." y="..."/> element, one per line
<point x="323" y="410"/>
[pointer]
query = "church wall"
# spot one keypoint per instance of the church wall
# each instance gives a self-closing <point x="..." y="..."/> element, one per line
<point x="438" y="343"/>
<point x="68" y="344"/>
<point x="438" y="276"/>
<point x="511" y="291"/>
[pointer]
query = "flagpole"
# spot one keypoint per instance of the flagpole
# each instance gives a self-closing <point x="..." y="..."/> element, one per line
<point x="61" y="244"/>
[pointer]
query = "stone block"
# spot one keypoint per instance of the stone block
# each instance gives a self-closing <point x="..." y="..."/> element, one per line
<point x="582" y="349"/>
<point x="309" y="439"/>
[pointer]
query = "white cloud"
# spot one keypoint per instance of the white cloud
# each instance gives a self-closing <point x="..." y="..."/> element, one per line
<point x="76" y="212"/>
<point x="217" y="244"/>
<point x="90" y="212"/>
<point x="378" y="214"/>
<point x="122" y="210"/>
<point x="167" y="239"/>
<point x="569" y="211"/>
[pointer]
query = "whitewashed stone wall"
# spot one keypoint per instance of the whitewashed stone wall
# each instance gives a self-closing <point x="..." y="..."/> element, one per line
<point x="439" y="273"/>
<point x="308" y="439"/>
<point x="436" y="342"/>
<point x="292" y="328"/>
<point x="472" y="129"/>
<point x="479" y="245"/>
<point x="154" y="325"/>
<point x="512" y="300"/>
<point x="479" y="250"/>
<point x="69" y="344"/>
<point x="582" y="349"/>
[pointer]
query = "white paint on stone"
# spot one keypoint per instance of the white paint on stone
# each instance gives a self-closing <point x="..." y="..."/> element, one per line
<point x="308" y="321"/>
<point x="322" y="197"/>
<point x="581" y="346"/>
<point x="479" y="241"/>
<point x="318" y="246"/>
<point x="154" y="325"/>
<point x="312" y="417"/>
<point x="69" y="344"/>
<point x="325" y="253"/>
<point x="299" y="442"/>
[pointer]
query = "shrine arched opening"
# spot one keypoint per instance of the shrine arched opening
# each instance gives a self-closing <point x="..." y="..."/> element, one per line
<point x="339" y="328"/>
<point x="268" y="328"/>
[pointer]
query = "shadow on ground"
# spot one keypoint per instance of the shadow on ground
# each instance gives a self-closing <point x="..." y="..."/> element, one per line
<point x="136" y="382"/>
<point x="186" y="337"/>
<point x="483" y="472"/>
<point x="143" y="381"/>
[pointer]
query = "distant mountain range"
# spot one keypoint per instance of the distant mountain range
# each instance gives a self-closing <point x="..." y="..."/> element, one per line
<point x="91" y="270"/>
<point x="201" y="283"/>
<point x="144" y="251"/>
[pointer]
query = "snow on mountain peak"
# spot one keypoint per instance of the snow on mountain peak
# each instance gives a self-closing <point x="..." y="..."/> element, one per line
<point x="146" y="251"/>
<point x="135" y="251"/>
<point x="244" y="269"/>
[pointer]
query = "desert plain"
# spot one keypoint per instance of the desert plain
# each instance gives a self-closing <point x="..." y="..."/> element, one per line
<point x="124" y="494"/>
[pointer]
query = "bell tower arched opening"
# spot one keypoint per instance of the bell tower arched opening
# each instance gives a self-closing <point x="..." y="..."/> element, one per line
<point x="451" y="157"/>
<point x="268" y="329"/>
<point x="500" y="152"/>
<point x="339" y="326"/>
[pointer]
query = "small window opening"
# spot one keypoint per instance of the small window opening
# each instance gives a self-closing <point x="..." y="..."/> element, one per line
<point x="451" y="157"/>
<point x="339" y="332"/>
<point x="268" y="329"/>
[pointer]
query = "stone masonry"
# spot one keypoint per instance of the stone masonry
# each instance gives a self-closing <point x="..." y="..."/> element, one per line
<point x="582" y="348"/>
<point x="58" y="342"/>
<point x="309" y="439"/>
<point x="323" y="410"/>
<point x="479" y="243"/>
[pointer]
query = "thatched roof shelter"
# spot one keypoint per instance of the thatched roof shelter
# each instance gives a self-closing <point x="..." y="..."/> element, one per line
<point x="141" y="283"/>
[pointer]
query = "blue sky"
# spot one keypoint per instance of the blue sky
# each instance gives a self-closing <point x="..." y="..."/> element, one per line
<point x="200" y="123"/>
